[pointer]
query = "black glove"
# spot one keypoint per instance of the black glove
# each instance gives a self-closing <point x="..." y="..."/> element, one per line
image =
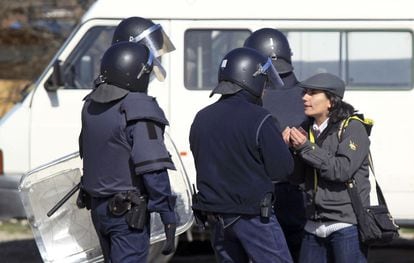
<point x="169" y="245"/>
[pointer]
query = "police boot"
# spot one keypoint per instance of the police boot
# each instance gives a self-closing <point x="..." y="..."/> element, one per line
<point x="169" y="245"/>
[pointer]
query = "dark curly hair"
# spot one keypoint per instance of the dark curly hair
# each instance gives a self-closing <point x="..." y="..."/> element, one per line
<point x="339" y="109"/>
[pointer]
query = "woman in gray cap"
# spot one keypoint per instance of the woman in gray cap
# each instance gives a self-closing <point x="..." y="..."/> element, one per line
<point x="331" y="233"/>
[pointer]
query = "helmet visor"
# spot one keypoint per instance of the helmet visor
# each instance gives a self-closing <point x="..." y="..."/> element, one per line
<point x="157" y="68"/>
<point x="155" y="39"/>
<point x="273" y="79"/>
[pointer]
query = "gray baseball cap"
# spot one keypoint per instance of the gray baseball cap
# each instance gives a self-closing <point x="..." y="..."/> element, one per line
<point x="325" y="81"/>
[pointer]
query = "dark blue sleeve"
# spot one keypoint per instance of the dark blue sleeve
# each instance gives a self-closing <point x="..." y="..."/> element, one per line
<point x="275" y="153"/>
<point x="148" y="150"/>
<point x="160" y="197"/>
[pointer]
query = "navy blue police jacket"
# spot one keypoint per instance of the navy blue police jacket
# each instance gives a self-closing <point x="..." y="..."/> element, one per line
<point x="238" y="152"/>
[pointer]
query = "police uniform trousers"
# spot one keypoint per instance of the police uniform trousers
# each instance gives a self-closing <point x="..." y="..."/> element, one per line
<point x="290" y="212"/>
<point x="118" y="241"/>
<point x="241" y="239"/>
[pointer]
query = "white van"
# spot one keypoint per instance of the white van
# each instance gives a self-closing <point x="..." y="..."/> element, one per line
<point x="367" y="43"/>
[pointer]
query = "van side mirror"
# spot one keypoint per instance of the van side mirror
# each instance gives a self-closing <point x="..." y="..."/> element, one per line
<point x="55" y="81"/>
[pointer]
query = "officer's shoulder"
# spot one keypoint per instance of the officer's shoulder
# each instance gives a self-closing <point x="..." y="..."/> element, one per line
<point x="259" y="113"/>
<point x="139" y="96"/>
<point x="139" y="100"/>
<point x="88" y="96"/>
<point x="260" y="110"/>
<point x="207" y="109"/>
<point x="138" y="106"/>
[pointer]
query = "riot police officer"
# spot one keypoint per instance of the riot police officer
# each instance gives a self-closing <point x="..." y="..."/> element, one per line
<point x="238" y="151"/>
<point x="286" y="105"/>
<point x="125" y="160"/>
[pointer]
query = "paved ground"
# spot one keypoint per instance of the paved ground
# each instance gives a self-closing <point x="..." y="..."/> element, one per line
<point x="25" y="251"/>
<point x="21" y="248"/>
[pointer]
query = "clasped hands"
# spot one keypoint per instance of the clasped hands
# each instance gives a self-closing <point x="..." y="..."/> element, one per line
<point x="295" y="137"/>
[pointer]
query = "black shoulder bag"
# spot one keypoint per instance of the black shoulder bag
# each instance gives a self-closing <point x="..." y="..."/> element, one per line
<point x="375" y="223"/>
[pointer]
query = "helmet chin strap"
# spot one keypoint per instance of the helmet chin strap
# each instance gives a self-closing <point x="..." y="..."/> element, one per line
<point x="146" y="68"/>
<point x="262" y="70"/>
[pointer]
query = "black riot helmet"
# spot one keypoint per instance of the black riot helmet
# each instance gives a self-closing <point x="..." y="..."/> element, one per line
<point x="144" y="31"/>
<point x="274" y="44"/>
<point x="249" y="69"/>
<point x="128" y="65"/>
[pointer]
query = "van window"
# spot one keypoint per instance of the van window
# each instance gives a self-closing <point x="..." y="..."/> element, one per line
<point x="83" y="65"/>
<point x="364" y="59"/>
<point x="379" y="59"/>
<point x="204" y="49"/>
<point x="315" y="52"/>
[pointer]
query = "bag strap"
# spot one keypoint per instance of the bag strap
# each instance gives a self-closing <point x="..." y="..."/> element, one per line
<point x="380" y="195"/>
<point x="351" y="184"/>
<point x="356" y="201"/>
<point x="315" y="174"/>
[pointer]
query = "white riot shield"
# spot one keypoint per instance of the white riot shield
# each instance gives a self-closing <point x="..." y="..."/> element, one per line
<point x="69" y="235"/>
